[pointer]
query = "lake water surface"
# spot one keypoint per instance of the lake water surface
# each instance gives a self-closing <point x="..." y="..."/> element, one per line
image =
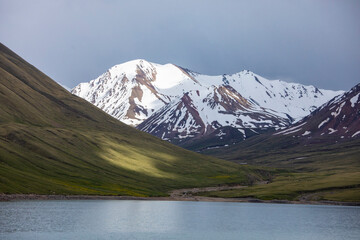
<point x="114" y="219"/>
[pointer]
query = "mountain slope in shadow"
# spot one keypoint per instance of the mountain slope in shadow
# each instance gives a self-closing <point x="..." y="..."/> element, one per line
<point x="52" y="142"/>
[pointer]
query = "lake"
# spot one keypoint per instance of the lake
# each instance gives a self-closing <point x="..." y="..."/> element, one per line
<point x="121" y="219"/>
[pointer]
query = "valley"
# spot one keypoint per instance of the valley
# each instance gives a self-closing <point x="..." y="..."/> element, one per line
<point x="57" y="144"/>
<point x="316" y="157"/>
<point x="181" y="120"/>
<point x="52" y="142"/>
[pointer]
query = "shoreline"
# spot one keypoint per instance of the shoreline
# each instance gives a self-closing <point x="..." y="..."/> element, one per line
<point x="29" y="197"/>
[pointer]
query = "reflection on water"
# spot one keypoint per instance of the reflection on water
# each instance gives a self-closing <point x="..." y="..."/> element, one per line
<point x="114" y="219"/>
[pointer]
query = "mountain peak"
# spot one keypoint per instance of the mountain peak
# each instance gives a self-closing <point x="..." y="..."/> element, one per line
<point x="132" y="66"/>
<point x="140" y="92"/>
<point x="336" y="120"/>
<point x="135" y="62"/>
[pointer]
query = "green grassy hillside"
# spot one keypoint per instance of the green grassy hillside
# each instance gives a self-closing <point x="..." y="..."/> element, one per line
<point x="52" y="142"/>
<point x="320" y="171"/>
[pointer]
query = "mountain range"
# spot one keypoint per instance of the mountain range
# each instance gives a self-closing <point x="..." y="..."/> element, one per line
<point x="310" y="135"/>
<point x="334" y="123"/>
<point x="322" y="152"/>
<point x="188" y="108"/>
<point x="52" y="142"/>
<point x="336" y="120"/>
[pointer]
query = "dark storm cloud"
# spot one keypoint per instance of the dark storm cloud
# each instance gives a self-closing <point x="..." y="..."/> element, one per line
<point x="310" y="42"/>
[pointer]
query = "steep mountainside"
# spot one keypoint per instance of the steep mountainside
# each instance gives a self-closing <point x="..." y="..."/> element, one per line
<point x="179" y="105"/>
<point x="323" y="149"/>
<point x="336" y="120"/>
<point x="52" y="142"/>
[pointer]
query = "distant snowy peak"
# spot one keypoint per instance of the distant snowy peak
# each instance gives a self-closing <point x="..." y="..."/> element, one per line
<point x="338" y="119"/>
<point x="198" y="113"/>
<point x="132" y="91"/>
<point x="173" y="102"/>
<point x="293" y="99"/>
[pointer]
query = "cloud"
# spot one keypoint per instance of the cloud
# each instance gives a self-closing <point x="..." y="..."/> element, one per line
<point x="310" y="42"/>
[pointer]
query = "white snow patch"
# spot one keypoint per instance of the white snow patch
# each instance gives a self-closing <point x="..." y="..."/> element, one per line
<point x="338" y="110"/>
<point x="355" y="134"/>
<point x="181" y="137"/>
<point x="291" y="130"/>
<point x="163" y="135"/>
<point x="354" y="100"/>
<point x="306" y="133"/>
<point x="242" y="131"/>
<point x="332" y="130"/>
<point x="221" y="133"/>
<point x="213" y="147"/>
<point x="323" y="122"/>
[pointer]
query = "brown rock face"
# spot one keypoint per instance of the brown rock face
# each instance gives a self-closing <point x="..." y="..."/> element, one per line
<point x="337" y="120"/>
<point x="182" y="121"/>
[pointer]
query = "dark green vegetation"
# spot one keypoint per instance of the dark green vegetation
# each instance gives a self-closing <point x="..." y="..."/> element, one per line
<point x="317" y="171"/>
<point x="52" y="142"/>
<point x="215" y="139"/>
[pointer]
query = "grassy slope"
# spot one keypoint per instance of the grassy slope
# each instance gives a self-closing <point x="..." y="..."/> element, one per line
<point x="314" y="172"/>
<point x="54" y="142"/>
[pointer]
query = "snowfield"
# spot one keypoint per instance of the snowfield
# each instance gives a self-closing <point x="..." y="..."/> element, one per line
<point x="186" y="102"/>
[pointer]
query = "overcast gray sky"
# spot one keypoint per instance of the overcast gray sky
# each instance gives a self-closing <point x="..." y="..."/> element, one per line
<point x="309" y="42"/>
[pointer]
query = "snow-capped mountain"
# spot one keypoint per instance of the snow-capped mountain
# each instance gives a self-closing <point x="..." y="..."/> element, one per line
<point x="175" y="103"/>
<point x="199" y="113"/>
<point x="338" y="119"/>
